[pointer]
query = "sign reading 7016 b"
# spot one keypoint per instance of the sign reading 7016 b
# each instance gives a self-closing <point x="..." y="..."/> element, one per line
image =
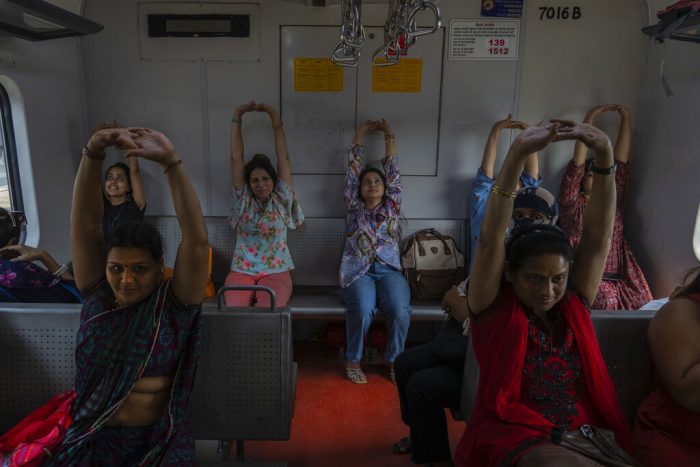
<point x="560" y="12"/>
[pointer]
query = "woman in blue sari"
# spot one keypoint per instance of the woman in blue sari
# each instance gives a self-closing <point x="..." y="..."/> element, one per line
<point x="138" y="340"/>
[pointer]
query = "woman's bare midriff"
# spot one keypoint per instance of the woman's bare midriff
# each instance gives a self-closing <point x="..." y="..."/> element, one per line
<point x="145" y="403"/>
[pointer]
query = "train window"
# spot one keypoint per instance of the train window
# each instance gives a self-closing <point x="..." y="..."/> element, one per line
<point x="10" y="192"/>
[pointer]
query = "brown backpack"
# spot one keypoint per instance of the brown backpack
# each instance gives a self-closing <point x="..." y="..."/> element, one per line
<point x="432" y="264"/>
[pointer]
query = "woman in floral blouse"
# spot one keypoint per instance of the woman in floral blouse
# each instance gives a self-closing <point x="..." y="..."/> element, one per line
<point x="370" y="272"/>
<point x="263" y="207"/>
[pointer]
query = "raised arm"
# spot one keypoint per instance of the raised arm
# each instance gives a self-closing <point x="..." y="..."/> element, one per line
<point x="87" y="237"/>
<point x="191" y="263"/>
<point x="675" y="350"/>
<point x="137" y="191"/>
<point x="487" y="267"/>
<point x="488" y="161"/>
<point x="389" y="138"/>
<point x="580" y="149"/>
<point x="391" y="169"/>
<point x="237" y="165"/>
<point x="352" y="174"/>
<point x="592" y="251"/>
<point x="284" y="165"/>
<point x="624" y="134"/>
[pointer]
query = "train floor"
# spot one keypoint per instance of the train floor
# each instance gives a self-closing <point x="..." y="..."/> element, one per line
<point x="337" y="423"/>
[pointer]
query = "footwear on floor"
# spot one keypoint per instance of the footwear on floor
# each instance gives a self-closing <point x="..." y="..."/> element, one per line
<point x="356" y="375"/>
<point x="402" y="447"/>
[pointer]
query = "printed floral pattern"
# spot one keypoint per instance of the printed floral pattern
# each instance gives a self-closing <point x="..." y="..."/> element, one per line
<point x="370" y="233"/>
<point x="552" y="371"/>
<point x="261" y="230"/>
<point x="632" y="291"/>
<point x="25" y="275"/>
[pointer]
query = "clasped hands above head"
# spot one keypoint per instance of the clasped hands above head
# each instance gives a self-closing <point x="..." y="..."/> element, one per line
<point x="137" y="141"/>
<point x="537" y="137"/>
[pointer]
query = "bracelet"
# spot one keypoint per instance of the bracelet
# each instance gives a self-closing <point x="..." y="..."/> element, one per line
<point x="277" y="127"/>
<point x="605" y="170"/>
<point x="236" y="120"/>
<point x="505" y="193"/>
<point x="171" y="165"/>
<point x="389" y="138"/>
<point x="61" y="271"/>
<point x="97" y="156"/>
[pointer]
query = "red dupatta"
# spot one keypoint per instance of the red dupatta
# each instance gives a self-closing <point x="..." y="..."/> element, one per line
<point x="499" y="422"/>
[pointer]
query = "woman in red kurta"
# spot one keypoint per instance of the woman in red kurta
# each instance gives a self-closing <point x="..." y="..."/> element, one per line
<point x="667" y="429"/>
<point x="541" y="371"/>
<point x="623" y="286"/>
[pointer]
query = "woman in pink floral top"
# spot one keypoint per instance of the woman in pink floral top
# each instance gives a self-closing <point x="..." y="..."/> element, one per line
<point x="263" y="207"/>
<point x="370" y="273"/>
<point x="623" y="286"/>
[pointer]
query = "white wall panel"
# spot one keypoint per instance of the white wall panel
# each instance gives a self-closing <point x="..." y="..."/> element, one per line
<point x="316" y="121"/>
<point x="572" y="65"/>
<point x="665" y="188"/>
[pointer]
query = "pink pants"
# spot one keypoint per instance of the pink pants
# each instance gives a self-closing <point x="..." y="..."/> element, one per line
<point x="280" y="282"/>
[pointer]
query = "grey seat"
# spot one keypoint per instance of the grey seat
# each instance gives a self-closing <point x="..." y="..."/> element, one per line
<point x="244" y="388"/>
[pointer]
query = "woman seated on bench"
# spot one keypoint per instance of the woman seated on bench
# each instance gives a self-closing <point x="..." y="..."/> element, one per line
<point x="263" y="207"/>
<point x="541" y="371"/>
<point x="667" y="428"/>
<point x="370" y="271"/>
<point x="138" y="341"/>
<point x="23" y="281"/>
<point x="623" y="286"/>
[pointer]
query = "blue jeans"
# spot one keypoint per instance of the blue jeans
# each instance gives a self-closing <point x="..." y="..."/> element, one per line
<point x="384" y="285"/>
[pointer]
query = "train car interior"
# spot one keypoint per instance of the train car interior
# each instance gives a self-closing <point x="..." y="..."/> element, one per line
<point x="325" y="151"/>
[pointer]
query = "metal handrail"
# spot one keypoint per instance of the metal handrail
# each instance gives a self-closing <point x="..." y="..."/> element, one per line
<point x="352" y="35"/>
<point x="401" y="25"/>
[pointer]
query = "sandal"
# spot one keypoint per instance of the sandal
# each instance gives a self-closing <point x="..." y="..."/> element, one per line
<point x="356" y="375"/>
<point x="402" y="447"/>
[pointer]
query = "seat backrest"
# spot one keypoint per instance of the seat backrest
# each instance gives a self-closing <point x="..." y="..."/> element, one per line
<point x="245" y="382"/>
<point x="622" y="339"/>
<point x="37" y="356"/>
<point x="622" y="336"/>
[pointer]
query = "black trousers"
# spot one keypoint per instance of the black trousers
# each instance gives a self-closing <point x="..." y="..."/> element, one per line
<point x="428" y="384"/>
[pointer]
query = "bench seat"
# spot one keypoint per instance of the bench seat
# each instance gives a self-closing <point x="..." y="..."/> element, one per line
<point x="324" y="303"/>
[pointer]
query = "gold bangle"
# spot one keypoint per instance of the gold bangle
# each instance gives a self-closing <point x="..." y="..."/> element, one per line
<point x="90" y="154"/>
<point x="389" y="138"/>
<point x="171" y="165"/>
<point x="505" y="193"/>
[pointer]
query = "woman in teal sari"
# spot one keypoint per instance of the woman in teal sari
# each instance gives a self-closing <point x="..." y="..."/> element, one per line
<point x="139" y="335"/>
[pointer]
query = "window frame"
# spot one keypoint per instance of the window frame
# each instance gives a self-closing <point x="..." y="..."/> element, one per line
<point x="11" y="159"/>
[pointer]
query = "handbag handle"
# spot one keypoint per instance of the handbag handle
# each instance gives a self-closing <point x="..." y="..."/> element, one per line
<point x="435" y="233"/>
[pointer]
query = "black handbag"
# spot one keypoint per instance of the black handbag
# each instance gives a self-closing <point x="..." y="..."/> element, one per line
<point x="597" y="444"/>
